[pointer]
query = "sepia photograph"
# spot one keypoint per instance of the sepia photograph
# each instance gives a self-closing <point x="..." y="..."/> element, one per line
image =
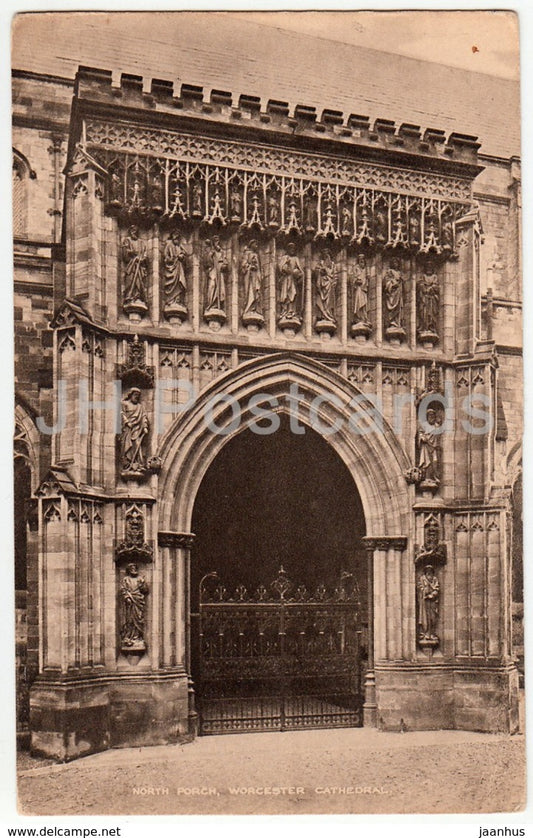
<point x="268" y="412"/>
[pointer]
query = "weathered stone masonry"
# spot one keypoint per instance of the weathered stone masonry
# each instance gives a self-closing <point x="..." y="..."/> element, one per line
<point x="245" y="248"/>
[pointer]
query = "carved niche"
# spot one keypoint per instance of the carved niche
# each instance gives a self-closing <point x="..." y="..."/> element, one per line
<point x="216" y="267"/>
<point x="135" y="275"/>
<point x="428" y="589"/>
<point x="290" y="291"/>
<point x="134" y="371"/>
<point x="325" y="275"/>
<point x="252" y="282"/>
<point x="394" y="301"/>
<point x="133" y="592"/>
<point x="135" y="426"/>
<point x="428" y="305"/>
<point x="131" y="555"/>
<point x="361" y="327"/>
<point x="175" y="271"/>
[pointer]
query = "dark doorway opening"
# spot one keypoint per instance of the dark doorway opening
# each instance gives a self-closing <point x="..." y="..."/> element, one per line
<point x="279" y="633"/>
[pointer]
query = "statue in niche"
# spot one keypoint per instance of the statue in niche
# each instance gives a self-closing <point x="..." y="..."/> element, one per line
<point x="447" y="234"/>
<point x="175" y="285"/>
<point x="310" y="214"/>
<point x="428" y="443"/>
<point x="291" y="275"/>
<point x="428" y="306"/>
<point x="115" y="190"/>
<point x="235" y="203"/>
<point x="273" y="211"/>
<point x="157" y="193"/>
<point x="434" y="550"/>
<point x="381" y="225"/>
<point x="252" y="315"/>
<point x="135" y="427"/>
<point x="197" y="192"/>
<point x="293" y="223"/>
<point x="326" y="283"/>
<point x="133" y="592"/>
<point x="346" y="222"/>
<point x="428" y="607"/>
<point x="255" y="212"/>
<point x="393" y="283"/>
<point x="328" y="222"/>
<point x="135" y="273"/>
<point x="216" y="268"/>
<point x="414" y="230"/>
<point x="360" y="322"/>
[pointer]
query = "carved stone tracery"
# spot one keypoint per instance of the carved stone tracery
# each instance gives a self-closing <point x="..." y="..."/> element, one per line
<point x="109" y="141"/>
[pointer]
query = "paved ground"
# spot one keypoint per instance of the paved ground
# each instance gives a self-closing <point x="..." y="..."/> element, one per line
<point x="344" y="771"/>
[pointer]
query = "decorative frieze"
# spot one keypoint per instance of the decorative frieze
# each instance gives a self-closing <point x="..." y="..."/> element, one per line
<point x="106" y="138"/>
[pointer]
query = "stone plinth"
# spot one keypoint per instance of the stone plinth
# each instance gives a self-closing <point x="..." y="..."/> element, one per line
<point x="70" y="719"/>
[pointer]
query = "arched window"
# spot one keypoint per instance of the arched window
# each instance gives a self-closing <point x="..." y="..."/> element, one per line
<point x="21" y="172"/>
<point x="19" y="198"/>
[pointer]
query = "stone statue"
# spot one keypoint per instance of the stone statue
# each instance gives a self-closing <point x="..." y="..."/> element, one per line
<point x="255" y="212"/>
<point x="136" y="270"/>
<point x="310" y="214"/>
<point x="135" y="427"/>
<point x="414" y="230"/>
<point x="115" y="190"/>
<point x="346" y="221"/>
<point x="216" y="266"/>
<point x="197" y="192"/>
<point x="157" y="193"/>
<point x="252" y="279"/>
<point x="235" y="201"/>
<point x="174" y="265"/>
<point x="292" y="215"/>
<point x="381" y="225"/>
<point x="393" y="299"/>
<point x="428" y="449"/>
<point x="361" y="326"/>
<point x="291" y="275"/>
<point x="428" y="305"/>
<point x="273" y="211"/>
<point x="360" y="284"/>
<point x="133" y="592"/>
<point x="326" y="282"/>
<point x="428" y="606"/>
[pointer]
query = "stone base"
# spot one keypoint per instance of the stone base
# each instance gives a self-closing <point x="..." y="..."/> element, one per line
<point x="176" y="313"/>
<point x="215" y="317"/>
<point x="326" y="328"/>
<point x="428" y="339"/>
<point x="253" y="321"/>
<point x="76" y="718"/>
<point x="69" y="720"/>
<point x="446" y="696"/>
<point x="135" y="309"/>
<point x="395" y="334"/>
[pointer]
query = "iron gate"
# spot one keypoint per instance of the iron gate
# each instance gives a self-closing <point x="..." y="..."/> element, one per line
<point x="281" y="658"/>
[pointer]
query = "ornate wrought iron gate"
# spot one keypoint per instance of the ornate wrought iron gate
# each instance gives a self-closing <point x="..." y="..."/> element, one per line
<point x="279" y="659"/>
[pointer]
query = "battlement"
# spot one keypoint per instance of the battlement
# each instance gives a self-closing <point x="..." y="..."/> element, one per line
<point x="273" y="116"/>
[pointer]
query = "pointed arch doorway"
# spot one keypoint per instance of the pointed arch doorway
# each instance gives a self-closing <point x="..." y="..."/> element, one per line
<point x="279" y="597"/>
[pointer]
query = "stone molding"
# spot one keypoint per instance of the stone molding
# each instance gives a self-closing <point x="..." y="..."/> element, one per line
<point x="385" y="542"/>
<point x="176" y="539"/>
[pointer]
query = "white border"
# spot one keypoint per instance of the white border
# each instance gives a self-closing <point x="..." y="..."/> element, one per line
<point x="405" y="825"/>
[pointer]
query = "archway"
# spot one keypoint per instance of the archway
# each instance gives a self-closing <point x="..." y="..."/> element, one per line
<point x="282" y="499"/>
<point x="278" y="510"/>
<point x="372" y="456"/>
